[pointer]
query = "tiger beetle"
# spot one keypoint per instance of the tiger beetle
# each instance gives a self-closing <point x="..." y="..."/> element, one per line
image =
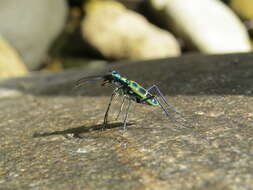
<point x="131" y="91"/>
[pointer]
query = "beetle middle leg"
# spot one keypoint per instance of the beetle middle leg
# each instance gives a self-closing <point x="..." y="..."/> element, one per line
<point x="121" y="107"/>
<point x="108" y="108"/>
<point x="126" y="115"/>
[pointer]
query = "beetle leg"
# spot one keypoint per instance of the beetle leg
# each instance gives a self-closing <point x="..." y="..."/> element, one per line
<point x="121" y="107"/>
<point x="165" y="103"/>
<point x="108" y="107"/>
<point x="126" y="115"/>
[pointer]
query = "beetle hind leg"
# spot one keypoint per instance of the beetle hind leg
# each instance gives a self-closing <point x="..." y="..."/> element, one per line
<point x="165" y="106"/>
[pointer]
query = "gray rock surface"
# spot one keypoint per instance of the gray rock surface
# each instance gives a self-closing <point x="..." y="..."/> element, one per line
<point x="51" y="136"/>
<point x="31" y="26"/>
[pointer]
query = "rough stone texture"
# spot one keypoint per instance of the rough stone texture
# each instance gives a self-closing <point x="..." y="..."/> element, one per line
<point x="10" y="63"/>
<point x="119" y="33"/>
<point x="31" y="26"/>
<point x="51" y="136"/>
<point x="208" y="25"/>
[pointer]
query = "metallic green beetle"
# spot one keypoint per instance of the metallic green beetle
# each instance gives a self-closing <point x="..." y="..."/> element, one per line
<point x="133" y="92"/>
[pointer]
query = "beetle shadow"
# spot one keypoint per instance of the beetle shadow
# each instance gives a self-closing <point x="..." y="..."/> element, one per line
<point x="77" y="131"/>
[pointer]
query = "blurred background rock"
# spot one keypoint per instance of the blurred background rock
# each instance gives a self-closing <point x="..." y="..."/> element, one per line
<point x="10" y="62"/>
<point x="32" y="26"/>
<point x="60" y="34"/>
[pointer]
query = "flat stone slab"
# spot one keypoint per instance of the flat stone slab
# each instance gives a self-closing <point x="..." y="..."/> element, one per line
<point x="51" y="136"/>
